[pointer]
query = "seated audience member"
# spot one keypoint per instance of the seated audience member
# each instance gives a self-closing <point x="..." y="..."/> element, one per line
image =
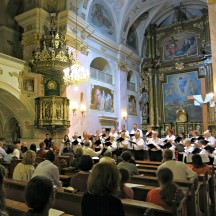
<point x="125" y="192"/>
<point x="2" y="151"/>
<point x="168" y="195"/>
<point x="25" y="169"/>
<point x="198" y="166"/>
<point x="17" y="150"/>
<point x="87" y="150"/>
<point x="2" y="197"/>
<point x="77" y="157"/>
<point x="107" y="157"/>
<point x="67" y="150"/>
<point x="39" y="196"/>
<point x="79" y="180"/>
<point x="102" y="185"/>
<point x="8" y="158"/>
<point x="33" y="147"/>
<point x="179" y="169"/>
<point x="48" y="169"/>
<point x="41" y="152"/>
<point x="126" y="164"/>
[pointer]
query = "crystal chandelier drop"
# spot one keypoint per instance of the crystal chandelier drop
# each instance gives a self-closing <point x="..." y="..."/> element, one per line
<point x="76" y="73"/>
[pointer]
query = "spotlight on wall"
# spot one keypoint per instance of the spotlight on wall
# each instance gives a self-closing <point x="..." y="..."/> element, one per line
<point x="124" y="115"/>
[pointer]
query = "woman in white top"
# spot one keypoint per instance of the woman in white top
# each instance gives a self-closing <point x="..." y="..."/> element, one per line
<point x="170" y="137"/>
<point x="25" y="169"/>
<point x="155" y="153"/>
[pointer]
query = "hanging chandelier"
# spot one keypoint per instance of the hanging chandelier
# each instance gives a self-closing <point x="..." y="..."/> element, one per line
<point x="76" y="73"/>
<point x="52" y="56"/>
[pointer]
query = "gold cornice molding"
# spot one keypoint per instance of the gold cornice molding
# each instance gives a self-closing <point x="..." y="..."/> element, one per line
<point x="15" y="74"/>
<point x="123" y="67"/>
<point x="77" y="44"/>
<point x="108" y="121"/>
<point x="1" y="71"/>
<point x="31" y="38"/>
<point x="211" y="1"/>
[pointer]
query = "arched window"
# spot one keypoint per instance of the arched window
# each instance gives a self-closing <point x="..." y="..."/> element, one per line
<point x="131" y="81"/>
<point x="100" y="70"/>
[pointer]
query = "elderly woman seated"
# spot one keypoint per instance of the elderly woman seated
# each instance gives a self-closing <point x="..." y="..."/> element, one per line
<point x="25" y="169"/>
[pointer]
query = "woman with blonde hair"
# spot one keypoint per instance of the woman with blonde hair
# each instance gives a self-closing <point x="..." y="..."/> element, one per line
<point x="25" y="169"/>
<point x="103" y="184"/>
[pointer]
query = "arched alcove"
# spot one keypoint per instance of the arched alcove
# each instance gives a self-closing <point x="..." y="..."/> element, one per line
<point x="15" y="113"/>
<point x="131" y="81"/>
<point x="101" y="71"/>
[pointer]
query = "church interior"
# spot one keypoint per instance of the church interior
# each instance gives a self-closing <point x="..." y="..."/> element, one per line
<point x="123" y="80"/>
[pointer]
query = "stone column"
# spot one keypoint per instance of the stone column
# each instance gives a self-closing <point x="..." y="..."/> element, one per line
<point x="212" y="26"/>
<point x="212" y="18"/>
<point x="33" y="23"/>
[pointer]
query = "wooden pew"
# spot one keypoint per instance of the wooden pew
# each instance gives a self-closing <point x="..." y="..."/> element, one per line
<point x="17" y="208"/>
<point x="70" y="203"/>
<point x="146" y="166"/>
<point x="147" y="172"/>
<point x="156" y="163"/>
<point x="187" y="185"/>
<point x="138" y="208"/>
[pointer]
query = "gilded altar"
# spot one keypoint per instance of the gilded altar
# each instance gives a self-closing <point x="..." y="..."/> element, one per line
<point x="176" y="57"/>
<point x="52" y="112"/>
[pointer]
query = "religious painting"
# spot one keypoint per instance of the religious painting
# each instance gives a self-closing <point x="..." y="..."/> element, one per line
<point x="52" y="88"/>
<point x="102" y="99"/>
<point x="180" y="44"/>
<point x="144" y="105"/>
<point x="132" y="105"/>
<point x="101" y="18"/>
<point x="132" y="38"/>
<point x="28" y="85"/>
<point x="175" y="96"/>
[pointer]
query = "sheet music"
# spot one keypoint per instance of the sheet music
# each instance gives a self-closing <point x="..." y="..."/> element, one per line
<point x="55" y="212"/>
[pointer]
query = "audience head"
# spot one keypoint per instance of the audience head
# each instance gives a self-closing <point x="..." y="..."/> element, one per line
<point x="107" y="159"/>
<point x="197" y="161"/>
<point x="10" y="149"/>
<point x="17" y="144"/>
<point x="39" y="194"/>
<point x="85" y="163"/>
<point x="87" y="143"/>
<point x="50" y="156"/>
<point x="79" y="152"/>
<point x="167" y="155"/>
<point x="165" y="176"/>
<point x="126" y="156"/>
<point x="104" y="179"/>
<point x="29" y="157"/>
<point x="170" y="193"/>
<point x="33" y="147"/>
<point x="42" y="145"/>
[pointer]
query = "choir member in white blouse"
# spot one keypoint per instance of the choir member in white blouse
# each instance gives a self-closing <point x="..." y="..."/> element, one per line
<point x="170" y="137"/>
<point x="155" y="153"/>
<point x="135" y="129"/>
<point x="138" y="146"/>
<point x="208" y="137"/>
